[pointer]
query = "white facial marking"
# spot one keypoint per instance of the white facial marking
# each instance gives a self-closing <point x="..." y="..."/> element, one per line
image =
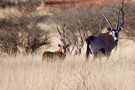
<point x="115" y="39"/>
<point x="114" y="35"/>
<point x="63" y="51"/>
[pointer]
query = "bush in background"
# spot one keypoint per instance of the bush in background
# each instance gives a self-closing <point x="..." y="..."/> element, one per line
<point x="21" y="32"/>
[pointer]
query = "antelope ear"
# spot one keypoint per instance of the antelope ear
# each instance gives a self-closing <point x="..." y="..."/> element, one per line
<point x="109" y="29"/>
<point x="59" y="45"/>
<point x="120" y="29"/>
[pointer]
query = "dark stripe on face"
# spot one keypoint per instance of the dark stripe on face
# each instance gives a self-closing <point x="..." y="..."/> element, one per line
<point x="116" y="34"/>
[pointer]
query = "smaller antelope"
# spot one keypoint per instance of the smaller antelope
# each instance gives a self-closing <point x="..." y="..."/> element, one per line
<point x="60" y="54"/>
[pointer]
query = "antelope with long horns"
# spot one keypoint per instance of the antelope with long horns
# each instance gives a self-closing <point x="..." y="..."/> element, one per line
<point x="59" y="54"/>
<point x="104" y="42"/>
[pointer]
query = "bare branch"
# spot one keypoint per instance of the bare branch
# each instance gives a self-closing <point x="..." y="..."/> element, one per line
<point x="117" y="25"/>
<point x="122" y="11"/>
<point x="79" y="30"/>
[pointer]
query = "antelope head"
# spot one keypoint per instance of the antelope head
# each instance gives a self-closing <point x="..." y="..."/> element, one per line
<point x="114" y="32"/>
<point x="63" y="48"/>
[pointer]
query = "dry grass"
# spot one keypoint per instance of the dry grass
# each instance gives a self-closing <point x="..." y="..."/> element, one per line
<point x="30" y="73"/>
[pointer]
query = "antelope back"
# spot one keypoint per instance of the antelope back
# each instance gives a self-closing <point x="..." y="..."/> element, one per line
<point x="53" y="56"/>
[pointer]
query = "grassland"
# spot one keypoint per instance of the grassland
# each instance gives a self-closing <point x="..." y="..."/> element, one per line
<point x="75" y="73"/>
<point x="29" y="72"/>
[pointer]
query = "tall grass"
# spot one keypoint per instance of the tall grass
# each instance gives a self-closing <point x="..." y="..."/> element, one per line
<point x="75" y="73"/>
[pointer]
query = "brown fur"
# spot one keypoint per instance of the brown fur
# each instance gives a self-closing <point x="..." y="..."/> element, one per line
<point x="47" y="55"/>
<point x="103" y="42"/>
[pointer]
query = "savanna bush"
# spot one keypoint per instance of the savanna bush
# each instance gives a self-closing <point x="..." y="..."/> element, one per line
<point x="21" y="33"/>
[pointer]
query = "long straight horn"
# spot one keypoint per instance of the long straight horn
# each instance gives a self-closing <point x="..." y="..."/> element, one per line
<point x="117" y="25"/>
<point x="59" y="32"/>
<point x="107" y="20"/>
<point x="63" y="41"/>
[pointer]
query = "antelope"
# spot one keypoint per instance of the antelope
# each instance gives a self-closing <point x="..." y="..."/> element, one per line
<point x="104" y="42"/>
<point x="60" y="54"/>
